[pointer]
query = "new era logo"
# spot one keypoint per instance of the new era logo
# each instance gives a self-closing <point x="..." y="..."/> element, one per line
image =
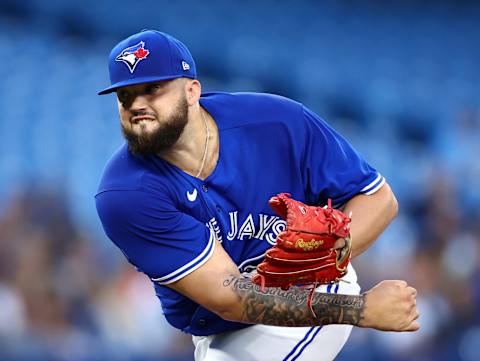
<point x="185" y="65"/>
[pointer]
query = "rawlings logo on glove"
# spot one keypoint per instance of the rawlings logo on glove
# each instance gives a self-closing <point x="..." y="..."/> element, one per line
<point x="309" y="246"/>
<point x="304" y="253"/>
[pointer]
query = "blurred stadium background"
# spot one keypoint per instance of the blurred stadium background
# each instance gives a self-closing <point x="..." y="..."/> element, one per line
<point x="400" y="79"/>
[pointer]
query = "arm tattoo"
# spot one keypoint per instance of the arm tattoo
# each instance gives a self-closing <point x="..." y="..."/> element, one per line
<point x="274" y="306"/>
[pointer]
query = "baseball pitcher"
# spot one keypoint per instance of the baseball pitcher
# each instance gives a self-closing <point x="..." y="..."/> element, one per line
<point x="244" y="210"/>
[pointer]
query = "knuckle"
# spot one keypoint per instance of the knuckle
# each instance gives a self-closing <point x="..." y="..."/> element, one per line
<point x="398" y="285"/>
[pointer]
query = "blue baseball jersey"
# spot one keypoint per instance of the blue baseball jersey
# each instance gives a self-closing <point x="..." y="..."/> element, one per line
<point x="166" y="221"/>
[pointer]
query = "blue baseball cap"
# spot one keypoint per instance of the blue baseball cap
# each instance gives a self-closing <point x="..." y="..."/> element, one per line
<point x="148" y="56"/>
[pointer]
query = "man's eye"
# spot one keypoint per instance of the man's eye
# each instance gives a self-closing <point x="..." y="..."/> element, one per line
<point x="152" y="88"/>
<point x="122" y="96"/>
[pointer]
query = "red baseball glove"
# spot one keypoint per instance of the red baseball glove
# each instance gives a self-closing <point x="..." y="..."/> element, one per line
<point x="304" y="253"/>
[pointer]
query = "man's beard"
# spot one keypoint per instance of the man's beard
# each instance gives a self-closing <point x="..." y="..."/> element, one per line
<point x="163" y="137"/>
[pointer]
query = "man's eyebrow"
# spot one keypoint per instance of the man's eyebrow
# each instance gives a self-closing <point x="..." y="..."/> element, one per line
<point x="161" y="83"/>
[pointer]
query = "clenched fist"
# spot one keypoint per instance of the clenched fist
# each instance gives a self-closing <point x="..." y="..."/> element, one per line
<point x="391" y="306"/>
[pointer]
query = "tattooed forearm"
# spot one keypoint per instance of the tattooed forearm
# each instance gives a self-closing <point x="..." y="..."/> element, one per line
<point x="274" y="306"/>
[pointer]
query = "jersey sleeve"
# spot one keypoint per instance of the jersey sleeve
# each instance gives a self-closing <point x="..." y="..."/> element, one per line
<point x="332" y="167"/>
<point x="158" y="239"/>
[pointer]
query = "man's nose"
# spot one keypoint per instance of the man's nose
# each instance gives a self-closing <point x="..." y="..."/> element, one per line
<point x="138" y="102"/>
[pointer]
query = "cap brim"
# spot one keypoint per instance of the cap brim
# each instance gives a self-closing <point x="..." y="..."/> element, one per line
<point x="135" y="81"/>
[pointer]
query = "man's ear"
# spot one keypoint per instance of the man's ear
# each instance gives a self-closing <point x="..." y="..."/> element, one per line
<point x="193" y="90"/>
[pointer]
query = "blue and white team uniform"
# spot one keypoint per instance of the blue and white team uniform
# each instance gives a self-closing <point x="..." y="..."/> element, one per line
<point x="166" y="221"/>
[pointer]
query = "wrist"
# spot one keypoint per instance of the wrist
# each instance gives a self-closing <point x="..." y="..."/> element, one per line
<point x="361" y="321"/>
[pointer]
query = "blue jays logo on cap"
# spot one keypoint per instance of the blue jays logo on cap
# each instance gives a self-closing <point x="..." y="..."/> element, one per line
<point x="132" y="55"/>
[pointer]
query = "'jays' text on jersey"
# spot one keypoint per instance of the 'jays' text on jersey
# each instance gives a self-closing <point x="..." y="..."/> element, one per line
<point x="166" y="221"/>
